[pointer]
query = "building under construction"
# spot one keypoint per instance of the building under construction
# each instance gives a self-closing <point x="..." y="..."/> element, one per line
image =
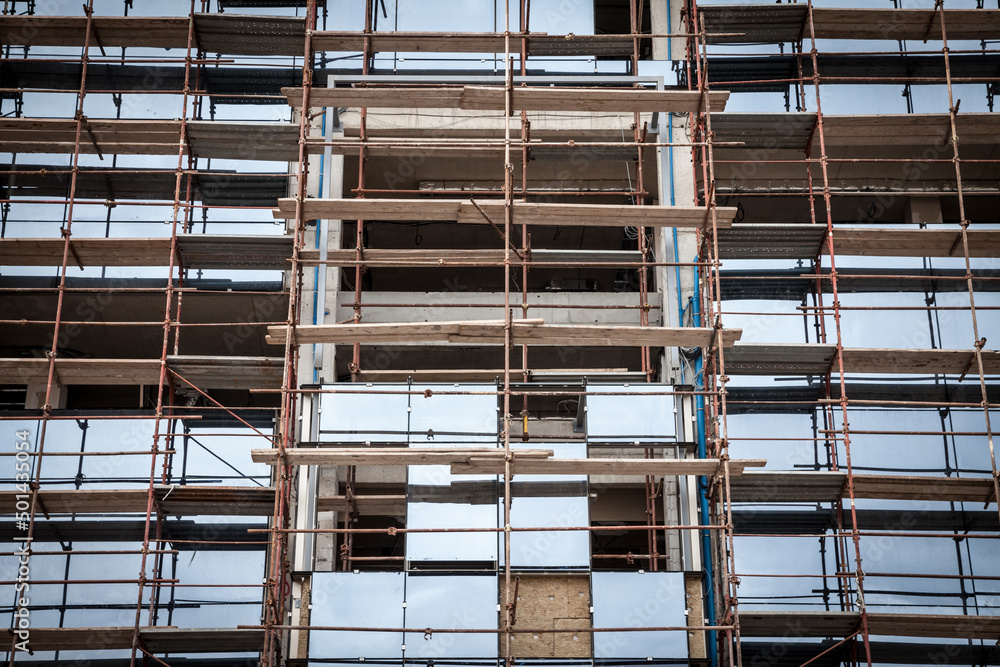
<point x="494" y="332"/>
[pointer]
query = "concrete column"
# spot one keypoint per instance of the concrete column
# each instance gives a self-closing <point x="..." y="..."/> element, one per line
<point x="666" y="19"/>
<point x="34" y="398"/>
<point x="924" y="210"/>
<point x="677" y="188"/>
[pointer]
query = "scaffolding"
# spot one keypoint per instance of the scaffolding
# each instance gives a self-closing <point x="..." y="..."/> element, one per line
<point x="765" y="188"/>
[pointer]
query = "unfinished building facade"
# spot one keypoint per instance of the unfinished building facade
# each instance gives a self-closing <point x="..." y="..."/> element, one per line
<point x="565" y="332"/>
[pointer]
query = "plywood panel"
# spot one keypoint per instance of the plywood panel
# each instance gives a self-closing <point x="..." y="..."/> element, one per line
<point x="693" y="596"/>
<point x="551" y="602"/>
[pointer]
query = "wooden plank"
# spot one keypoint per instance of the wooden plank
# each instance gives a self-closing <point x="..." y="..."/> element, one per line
<point x="908" y="129"/>
<point x="237" y="141"/>
<point x="463" y="211"/>
<point x="421" y="148"/>
<point x="491" y="374"/>
<point x="173" y="500"/>
<point x="215" y="33"/>
<point x="483" y="466"/>
<point x="92" y="252"/>
<point x="796" y="359"/>
<point x="894" y="24"/>
<point x="164" y="639"/>
<point x="953" y="362"/>
<point x="490" y="461"/>
<point x="383" y="97"/>
<point x="250" y="35"/>
<point x="780" y="23"/>
<point x="205" y="372"/>
<point x="912" y="487"/>
<point x="471" y="42"/>
<point x="785" y="487"/>
<point x="392" y="505"/>
<point x="828" y="486"/>
<point x="803" y="623"/>
<point x="491" y="98"/>
<point x="393" y="456"/>
<point x="82" y="501"/>
<point x="489" y="332"/>
<point x="444" y="148"/>
<point x="373" y="209"/>
<point x="803" y="241"/>
<point x="82" y="371"/>
<point x="596" y="215"/>
<point x="915" y="242"/>
<point x="792" y="131"/>
<point x="411" y="42"/>
<point x="406" y="257"/>
<point x="935" y="625"/>
<point x="225" y="33"/>
<point x="197" y="251"/>
<point x="72" y="639"/>
<point x="155" y="32"/>
<point x="841" y="624"/>
<point x="201" y="640"/>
